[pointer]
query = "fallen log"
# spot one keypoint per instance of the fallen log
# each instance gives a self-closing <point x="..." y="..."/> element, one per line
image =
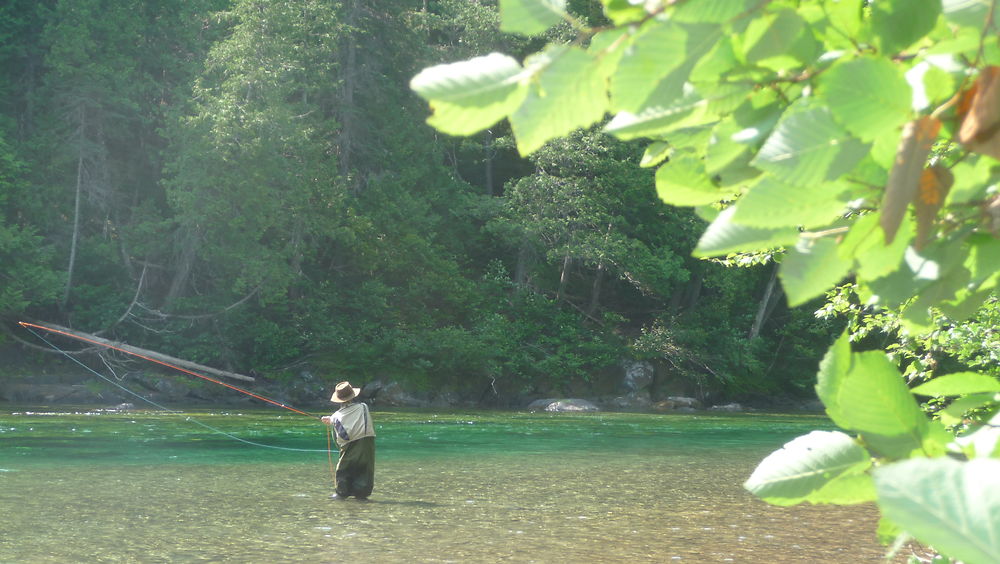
<point x="154" y="356"/>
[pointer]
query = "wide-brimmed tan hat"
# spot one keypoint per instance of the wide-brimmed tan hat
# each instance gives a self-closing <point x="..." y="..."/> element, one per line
<point x="344" y="392"/>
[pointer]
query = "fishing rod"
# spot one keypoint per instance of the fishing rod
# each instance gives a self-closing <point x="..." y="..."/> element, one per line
<point x="329" y="446"/>
<point x="122" y="349"/>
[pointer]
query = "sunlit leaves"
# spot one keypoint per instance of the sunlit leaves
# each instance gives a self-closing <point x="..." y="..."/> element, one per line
<point x="469" y="96"/>
<point x="684" y="182"/>
<point x="897" y="24"/>
<point x="867" y="95"/>
<point x="958" y="384"/>
<point x="724" y="236"/>
<point x="530" y="17"/>
<point x="972" y="13"/>
<point x="810" y="268"/>
<point x="808" y="146"/>
<point x="773" y="203"/>
<point x="779" y="40"/>
<point x="715" y="11"/>
<point x="568" y="93"/>
<point x="808" y="468"/>
<point x="865" y="393"/>
<point x="951" y="505"/>
<point x="657" y="49"/>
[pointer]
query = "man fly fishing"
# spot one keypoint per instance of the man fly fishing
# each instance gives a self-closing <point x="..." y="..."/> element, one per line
<point x="355" y="434"/>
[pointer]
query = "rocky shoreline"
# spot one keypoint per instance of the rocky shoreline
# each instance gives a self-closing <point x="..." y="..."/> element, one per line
<point x="637" y="387"/>
<point x="379" y="394"/>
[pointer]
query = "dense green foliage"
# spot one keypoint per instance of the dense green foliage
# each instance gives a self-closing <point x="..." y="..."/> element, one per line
<point x="855" y="139"/>
<point x="251" y="185"/>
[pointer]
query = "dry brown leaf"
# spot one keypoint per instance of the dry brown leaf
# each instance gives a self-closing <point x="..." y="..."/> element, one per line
<point x="979" y="110"/>
<point x="935" y="182"/>
<point x="907" y="168"/>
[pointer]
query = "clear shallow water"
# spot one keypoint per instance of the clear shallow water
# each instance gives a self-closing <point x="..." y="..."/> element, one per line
<point x="450" y="487"/>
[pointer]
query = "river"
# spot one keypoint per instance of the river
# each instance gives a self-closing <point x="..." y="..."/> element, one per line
<point x="149" y="486"/>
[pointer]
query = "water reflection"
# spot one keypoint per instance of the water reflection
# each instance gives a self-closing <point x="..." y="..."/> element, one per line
<point x="476" y="487"/>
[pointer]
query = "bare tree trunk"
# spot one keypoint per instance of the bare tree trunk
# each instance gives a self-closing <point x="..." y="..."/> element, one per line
<point x="76" y="209"/>
<point x="523" y="262"/>
<point x="564" y="276"/>
<point x="490" y="152"/>
<point x="595" y="291"/>
<point x="693" y="291"/>
<point x="182" y="270"/>
<point x="766" y="305"/>
<point x="347" y="120"/>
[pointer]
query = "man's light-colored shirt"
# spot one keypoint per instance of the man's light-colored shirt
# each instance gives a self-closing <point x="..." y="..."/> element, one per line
<point x="351" y="423"/>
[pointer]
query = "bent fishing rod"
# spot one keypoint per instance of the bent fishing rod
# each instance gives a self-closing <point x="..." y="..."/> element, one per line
<point x="125" y="349"/>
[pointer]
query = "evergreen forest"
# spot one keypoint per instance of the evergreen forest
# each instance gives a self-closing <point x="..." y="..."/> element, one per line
<point x="517" y="199"/>
<point x="252" y="185"/>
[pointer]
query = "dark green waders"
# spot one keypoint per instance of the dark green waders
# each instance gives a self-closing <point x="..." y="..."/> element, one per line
<point x="356" y="468"/>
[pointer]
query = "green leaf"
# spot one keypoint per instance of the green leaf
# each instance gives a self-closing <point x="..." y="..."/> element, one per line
<point x="846" y="489"/>
<point x="845" y="16"/>
<point x="683" y="182"/>
<point x="658" y="121"/>
<point x="657" y="49"/>
<point x="810" y="269"/>
<point x="805" y="466"/>
<point x="956" y="410"/>
<point x="622" y="12"/>
<point x="984" y="442"/>
<point x="772" y="203"/>
<point x="725" y="236"/>
<point x="470" y="96"/>
<point x="569" y="94"/>
<point x="809" y="147"/>
<point x="866" y="245"/>
<point x="897" y="24"/>
<point x="867" y="95"/>
<point x="714" y="11"/>
<point x="958" y="384"/>
<point x="780" y="41"/>
<point x="770" y="35"/>
<point x="530" y="17"/>
<point x="655" y="153"/>
<point x="950" y="505"/>
<point x="970" y="13"/>
<point x="864" y="392"/>
<point x="931" y="86"/>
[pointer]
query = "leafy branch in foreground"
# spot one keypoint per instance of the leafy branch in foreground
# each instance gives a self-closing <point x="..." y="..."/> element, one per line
<point x="861" y="137"/>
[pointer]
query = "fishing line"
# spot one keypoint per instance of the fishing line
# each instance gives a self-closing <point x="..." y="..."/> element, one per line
<point x="29" y="326"/>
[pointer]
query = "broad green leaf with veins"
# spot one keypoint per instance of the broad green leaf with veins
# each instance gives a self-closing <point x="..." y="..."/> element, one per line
<point x="805" y="466"/>
<point x="867" y="95"/>
<point x="470" y="96"/>
<point x="530" y="17"/>
<point x="809" y="147"/>
<point x="773" y="203"/>
<point x="810" y="267"/>
<point x="724" y="236"/>
<point x="568" y="93"/>
<point x="951" y="505"/>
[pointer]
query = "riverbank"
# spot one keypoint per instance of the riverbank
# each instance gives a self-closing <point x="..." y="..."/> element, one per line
<point x="39" y="380"/>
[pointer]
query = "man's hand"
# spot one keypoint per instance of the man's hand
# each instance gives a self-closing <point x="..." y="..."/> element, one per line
<point x="326" y="419"/>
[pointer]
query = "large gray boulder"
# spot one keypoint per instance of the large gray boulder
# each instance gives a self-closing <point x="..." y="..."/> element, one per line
<point x="638" y="375"/>
<point x="562" y="405"/>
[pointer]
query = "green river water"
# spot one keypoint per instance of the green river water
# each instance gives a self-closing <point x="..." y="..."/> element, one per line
<point x="149" y="486"/>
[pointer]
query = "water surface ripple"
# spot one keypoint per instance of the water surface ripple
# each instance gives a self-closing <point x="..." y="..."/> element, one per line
<point x="450" y="487"/>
